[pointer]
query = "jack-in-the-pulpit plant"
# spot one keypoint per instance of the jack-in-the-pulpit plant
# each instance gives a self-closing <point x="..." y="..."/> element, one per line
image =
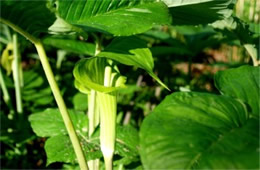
<point x="186" y="131"/>
<point x="100" y="79"/>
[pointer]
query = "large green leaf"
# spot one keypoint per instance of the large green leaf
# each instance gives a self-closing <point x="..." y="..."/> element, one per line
<point x="242" y="83"/>
<point x="201" y="131"/>
<point x="70" y="45"/>
<point x="187" y="12"/>
<point x="59" y="149"/>
<point x="31" y="16"/>
<point x="127" y="144"/>
<point x="50" y="123"/>
<point x="131" y="51"/>
<point x="120" y="18"/>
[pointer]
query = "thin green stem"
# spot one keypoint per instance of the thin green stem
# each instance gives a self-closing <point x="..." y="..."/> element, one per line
<point x="62" y="107"/>
<point x="16" y="75"/>
<point x="93" y="112"/>
<point x="6" y="95"/>
<point x="19" y="30"/>
<point x="56" y="92"/>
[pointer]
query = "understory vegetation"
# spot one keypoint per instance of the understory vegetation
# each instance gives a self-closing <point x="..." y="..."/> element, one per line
<point x="129" y="84"/>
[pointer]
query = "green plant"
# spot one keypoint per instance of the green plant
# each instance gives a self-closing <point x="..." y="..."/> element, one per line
<point x="100" y="79"/>
<point x="220" y="130"/>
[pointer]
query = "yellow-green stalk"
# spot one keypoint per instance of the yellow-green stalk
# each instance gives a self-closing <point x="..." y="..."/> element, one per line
<point x="108" y="108"/>
<point x="93" y="116"/>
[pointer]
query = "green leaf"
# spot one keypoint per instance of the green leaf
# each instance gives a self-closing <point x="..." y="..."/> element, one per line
<point x="38" y="96"/>
<point x="35" y="92"/>
<point x="127" y="144"/>
<point x="89" y="74"/>
<point x="242" y="83"/>
<point x="32" y="80"/>
<point x="59" y="149"/>
<point x="120" y="18"/>
<point x="74" y="46"/>
<point x="80" y="102"/>
<point x="31" y="16"/>
<point x="49" y="123"/>
<point x="199" y="131"/>
<point x="131" y="51"/>
<point x="193" y="12"/>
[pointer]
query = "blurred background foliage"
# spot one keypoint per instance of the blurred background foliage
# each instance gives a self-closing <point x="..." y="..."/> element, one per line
<point x="186" y="58"/>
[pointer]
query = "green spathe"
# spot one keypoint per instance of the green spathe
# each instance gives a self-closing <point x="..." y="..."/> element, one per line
<point x="89" y="74"/>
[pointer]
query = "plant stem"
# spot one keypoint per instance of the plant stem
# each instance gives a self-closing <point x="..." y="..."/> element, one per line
<point x="108" y="107"/>
<point x="56" y="92"/>
<point x="16" y="75"/>
<point x="62" y="107"/>
<point x="93" y="112"/>
<point x="93" y="116"/>
<point x="107" y="126"/>
<point x="6" y="95"/>
<point x="93" y="109"/>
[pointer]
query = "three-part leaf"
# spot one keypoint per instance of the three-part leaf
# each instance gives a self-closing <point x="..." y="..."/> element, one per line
<point x="120" y="18"/>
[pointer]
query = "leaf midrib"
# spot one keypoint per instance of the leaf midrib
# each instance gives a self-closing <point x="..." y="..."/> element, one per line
<point x="105" y="13"/>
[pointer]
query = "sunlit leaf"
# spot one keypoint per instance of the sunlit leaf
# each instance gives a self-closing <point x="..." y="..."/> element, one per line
<point x="50" y="123"/>
<point x="59" y="149"/>
<point x="199" y="131"/>
<point x="120" y="18"/>
<point x="131" y="51"/>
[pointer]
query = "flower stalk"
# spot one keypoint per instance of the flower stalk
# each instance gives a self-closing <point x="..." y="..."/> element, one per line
<point x="108" y="108"/>
<point x="56" y="92"/>
<point x="17" y="75"/>
<point x="93" y="116"/>
<point x="62" y="107"/>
